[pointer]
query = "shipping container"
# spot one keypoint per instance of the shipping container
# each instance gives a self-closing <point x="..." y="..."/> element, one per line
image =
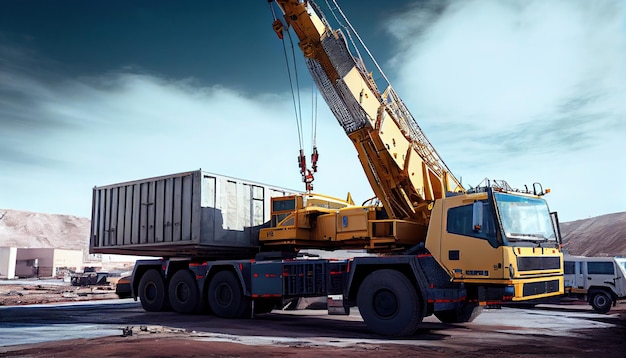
<point x="187" y="214"/>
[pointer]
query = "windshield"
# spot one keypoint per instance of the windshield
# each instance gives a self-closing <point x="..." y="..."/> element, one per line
<point x="524" y="218"/>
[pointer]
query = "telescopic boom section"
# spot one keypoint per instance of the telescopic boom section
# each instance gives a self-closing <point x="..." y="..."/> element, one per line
<point x="403" y="168"/>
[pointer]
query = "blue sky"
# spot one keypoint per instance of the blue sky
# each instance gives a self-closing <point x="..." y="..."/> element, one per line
<point x="93" y="93"/>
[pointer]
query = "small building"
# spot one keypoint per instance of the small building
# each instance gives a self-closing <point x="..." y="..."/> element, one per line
<point x="8" y="257"/>
<point x="38" y="262"/>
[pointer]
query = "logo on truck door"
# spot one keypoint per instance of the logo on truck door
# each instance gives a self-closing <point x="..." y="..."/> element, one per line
<point x="477" y="273"/>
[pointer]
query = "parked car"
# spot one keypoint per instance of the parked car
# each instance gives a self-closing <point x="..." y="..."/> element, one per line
<point x="89" y="278"/>
<point x="123" y="288"/>
<point x="599" y="280"/>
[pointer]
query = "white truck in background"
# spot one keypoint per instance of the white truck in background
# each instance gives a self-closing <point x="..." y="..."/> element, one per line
<point x="599" y="280"/>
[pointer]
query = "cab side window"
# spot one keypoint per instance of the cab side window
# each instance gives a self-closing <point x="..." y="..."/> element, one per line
<point x="600" y="268"/>
<point x="460" y="222"/>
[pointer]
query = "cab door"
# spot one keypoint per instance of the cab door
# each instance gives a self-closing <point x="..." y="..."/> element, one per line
<point x="469" y="249"/>
<point x="601" y="273"/>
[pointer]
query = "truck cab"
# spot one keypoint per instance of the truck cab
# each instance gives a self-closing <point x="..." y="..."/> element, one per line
<point x="600" y="280"/>
<point x="499" y="238"/>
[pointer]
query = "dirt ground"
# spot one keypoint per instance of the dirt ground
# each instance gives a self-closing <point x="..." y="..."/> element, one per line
<point x="490" y="338"/>
<point x="172" y="346"/>
<point x="164" y="343"/>
<point x="40" y="292"/>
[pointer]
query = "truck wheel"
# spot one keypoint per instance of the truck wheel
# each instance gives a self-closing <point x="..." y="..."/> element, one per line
<point x="601" y="302"/>
<point x="226" y="297"/>
<point x="389" y="303"/>
<point x="184" y="294"/>
<point x="466" y="312"/>
<point x="152" y="292"/>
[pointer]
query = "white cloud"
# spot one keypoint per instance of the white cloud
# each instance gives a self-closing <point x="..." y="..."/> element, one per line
<point x="514" y="60"/>
<point x="127" y="126"/>
<point x="519" y="90"/>
<point x="523" y="91"/>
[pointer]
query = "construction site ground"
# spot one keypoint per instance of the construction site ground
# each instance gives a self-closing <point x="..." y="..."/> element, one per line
<point x="34" y="291"/>
<point x="44" y="319"/>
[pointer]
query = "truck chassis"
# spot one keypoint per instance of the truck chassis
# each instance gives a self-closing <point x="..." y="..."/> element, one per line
<point x="392" y="293"/>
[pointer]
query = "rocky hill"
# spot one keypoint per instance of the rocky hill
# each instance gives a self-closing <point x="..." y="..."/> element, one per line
<point x="37" y="230"/>
<point x="599" y="236"/>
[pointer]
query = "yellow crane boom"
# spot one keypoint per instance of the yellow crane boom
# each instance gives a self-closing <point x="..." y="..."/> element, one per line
<point x="404" y="170"/>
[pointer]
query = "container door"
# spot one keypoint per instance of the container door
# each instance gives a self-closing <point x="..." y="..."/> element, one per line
<point x="258" y="212"/>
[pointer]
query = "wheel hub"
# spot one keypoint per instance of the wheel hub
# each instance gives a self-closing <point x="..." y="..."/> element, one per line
<point x="150" y="292"/>
<point x="182" y="292"/>
<point x="385" y="303"/>
<point x="224" y="294"/>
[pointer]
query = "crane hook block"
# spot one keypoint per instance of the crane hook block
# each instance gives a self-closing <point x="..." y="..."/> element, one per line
<point x="302" y="161"/>
<point x="277" y="25"/>
<point x="314" y="157"/>
<point x="308" y="180"/>
<point x="307" y="175"/>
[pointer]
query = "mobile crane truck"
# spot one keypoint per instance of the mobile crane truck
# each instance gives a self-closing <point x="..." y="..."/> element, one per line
<point x="228" y="245"/>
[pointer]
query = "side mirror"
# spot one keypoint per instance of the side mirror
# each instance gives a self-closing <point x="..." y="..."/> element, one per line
<point x="477" y="216"/>
<point x="556" y="226"/>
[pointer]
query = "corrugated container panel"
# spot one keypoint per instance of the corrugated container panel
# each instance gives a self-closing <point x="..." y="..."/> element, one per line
<point x="187" y="214"/>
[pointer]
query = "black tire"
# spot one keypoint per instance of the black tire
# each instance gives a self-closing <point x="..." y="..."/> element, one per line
<point x="184" y="295"/>
<point x="466" y="312"/>
<point x="601" y="302"/>
<point x="152" y="292"/>
<point x="226" y="297"/>
<point x="389" y="303"/>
